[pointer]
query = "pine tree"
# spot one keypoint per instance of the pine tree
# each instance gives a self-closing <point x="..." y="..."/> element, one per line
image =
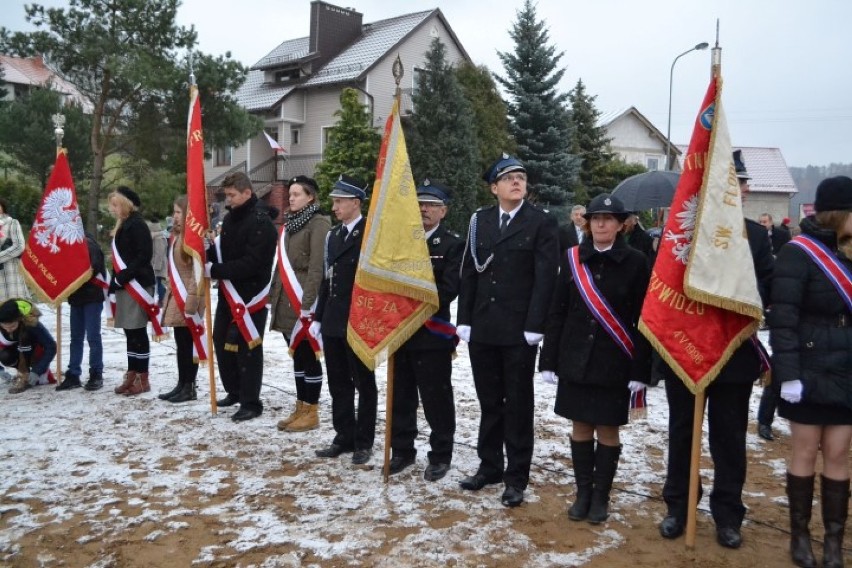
<point x="442" y="143"/>
<point x="491" y="122"/>
<point x="590" y="144"/>
<point x="353" y="146"/>
<point x="540" y="123"/>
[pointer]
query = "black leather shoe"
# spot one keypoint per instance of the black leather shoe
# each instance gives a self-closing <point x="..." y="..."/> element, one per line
<point x="331" y="451"/>
<point x="229" y="400"/>
<point x="95" y="382"/>
<point x="671" y="527"/>
<point x="397" y="463"/>
<point x="362" y="456"/>
<point x="478" y="481"/>
<point x="512" y="496"/>
<point x="765" y="432"/>
<point x="70" y="381"/>
<point x="436" y="471"/>
<point x="729" y="537"/>
<point x="244" y="414"/>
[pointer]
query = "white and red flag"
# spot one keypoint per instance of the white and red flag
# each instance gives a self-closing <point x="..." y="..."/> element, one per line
<point x="273" y="143"/>
<point x="703" y="301"/>
<point x="56" y="259"/>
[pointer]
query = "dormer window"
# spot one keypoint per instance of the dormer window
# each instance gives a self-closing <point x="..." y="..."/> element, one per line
<point x="286" y="75"/>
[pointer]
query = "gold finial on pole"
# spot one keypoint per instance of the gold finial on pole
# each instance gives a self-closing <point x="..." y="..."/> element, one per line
<point x="398" y="72"/>
<point x="58" y="130"/>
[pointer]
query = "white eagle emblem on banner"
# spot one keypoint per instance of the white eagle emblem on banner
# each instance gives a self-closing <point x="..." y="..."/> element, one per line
<point x="59" y="221"/>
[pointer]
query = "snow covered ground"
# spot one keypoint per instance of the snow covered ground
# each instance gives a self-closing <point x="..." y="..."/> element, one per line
<point x="112" y="463"/>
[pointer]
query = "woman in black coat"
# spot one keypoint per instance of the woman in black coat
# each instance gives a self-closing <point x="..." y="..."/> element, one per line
<point x="132" y="241"/>
<point x="811" y="336"/>
<point x="596" y="374"/>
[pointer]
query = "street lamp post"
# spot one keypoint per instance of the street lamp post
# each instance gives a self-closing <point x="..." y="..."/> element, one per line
<point x="698" y="47"/>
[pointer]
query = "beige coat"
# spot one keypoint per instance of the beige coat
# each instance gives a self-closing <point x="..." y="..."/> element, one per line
<point x="172" y="317"/>
<point x="305" y="249"/>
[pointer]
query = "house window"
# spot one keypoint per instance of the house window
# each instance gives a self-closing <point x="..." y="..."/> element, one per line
<point x="417" y="76"/>
<point x="224" y="155"/>
<point x="652" y="163"/>
<point x="286" y="75"/>
<point x="326" y="137"/>
<point x="295" y="136"/>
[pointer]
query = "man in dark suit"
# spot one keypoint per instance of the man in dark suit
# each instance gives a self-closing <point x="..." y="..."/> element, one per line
<point x="508" y="272"/>
<point x="638" y="238"/>
<point x="424" y="362"/>
<point x="727" y="416"/>
<point x="571" y="234"/>
<point x="346" y="372"/>
<point x="778" y="236"/>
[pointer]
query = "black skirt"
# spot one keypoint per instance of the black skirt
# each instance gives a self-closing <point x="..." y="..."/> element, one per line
<point x="604" y="406"/>
<point x="815" y="414"/>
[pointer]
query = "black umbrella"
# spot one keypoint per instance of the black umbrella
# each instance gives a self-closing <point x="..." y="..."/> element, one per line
<point x="650" y="190"/>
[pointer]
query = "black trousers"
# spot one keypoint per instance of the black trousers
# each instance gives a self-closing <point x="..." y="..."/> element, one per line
<point x="241" y="372"/>
<point x="346" y="375"/>
<point x="429" y="374"/>
<point x="187" y="367"/>
<point x="769" y="403"/>
<point x="727" y="416"/>
<point x="503" y="376"/>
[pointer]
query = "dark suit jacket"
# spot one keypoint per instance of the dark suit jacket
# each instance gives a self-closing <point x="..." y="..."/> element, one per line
<point x="567" y="237"/>
<point x="445" y="250"/>
<point x="335" y="293"/>
<point x="512" y="294"/>
<point x="779" y="237"/>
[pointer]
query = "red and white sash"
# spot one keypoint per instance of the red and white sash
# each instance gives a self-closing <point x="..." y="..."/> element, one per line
<point x="140" y="295"/>
<point x="240" y="310"/>
<point x="597" y="304"/>
<point x="194" y="322"/>
<point x="302" y="329"/>
<point x="7" y="343"/>
<point x="102" y="282"/>
<point x="837" y="274"/>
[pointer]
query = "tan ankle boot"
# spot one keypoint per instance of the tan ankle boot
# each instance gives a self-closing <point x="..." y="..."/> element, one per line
<point x="308" y="420"/>
<point x="20" y="384"/>
<point x="139" y="386"/>
<point x="297" y="411"/>
<point x="129" y="377"/>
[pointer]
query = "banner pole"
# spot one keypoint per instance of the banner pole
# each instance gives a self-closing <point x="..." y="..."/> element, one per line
<point x="388" y="417"/>
<point x="59" y="343"/>
<point x="694" y="477"/>
<point x="210" y="353"/>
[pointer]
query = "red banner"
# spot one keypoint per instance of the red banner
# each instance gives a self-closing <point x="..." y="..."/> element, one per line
<point x="702" y="301"/>
<point x="197" y="215"/>
<point x="56" y="259"/>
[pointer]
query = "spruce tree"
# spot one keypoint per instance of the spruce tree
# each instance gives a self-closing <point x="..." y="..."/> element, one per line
<point x="442" y="143"/>
<point x="590" y="144"/>
<point x="353" y="146"/>
<point x="491" y="122"/>
<point x="540" y="122"/>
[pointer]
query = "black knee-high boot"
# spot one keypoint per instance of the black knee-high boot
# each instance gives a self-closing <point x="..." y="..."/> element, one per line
<point x="800" y="496"/>
<point x="606" y="464"/>
<point x="835" y="508"/>
<point x="583" y="458"/>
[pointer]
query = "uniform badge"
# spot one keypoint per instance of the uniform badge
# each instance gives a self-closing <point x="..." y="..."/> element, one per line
<point x="436" y="241"/>
<point x="607" y="201"/>
<point x="356" y="232"/>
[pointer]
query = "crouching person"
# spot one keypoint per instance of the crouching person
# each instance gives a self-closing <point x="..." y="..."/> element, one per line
<point x="25" y="344"/>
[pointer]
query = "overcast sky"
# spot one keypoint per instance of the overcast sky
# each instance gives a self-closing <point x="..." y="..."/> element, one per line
<point x="787" y="66"/>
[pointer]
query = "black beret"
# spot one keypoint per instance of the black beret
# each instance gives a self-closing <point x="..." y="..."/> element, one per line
<point x="834" y="194"/>
<point x="129" y="194"/>
<point x="306" y="182"/>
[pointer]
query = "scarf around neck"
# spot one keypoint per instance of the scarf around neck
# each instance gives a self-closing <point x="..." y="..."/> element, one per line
<point x="297" y="221"/>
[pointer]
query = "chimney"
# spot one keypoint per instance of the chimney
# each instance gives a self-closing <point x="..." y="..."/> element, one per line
<point x="332" y="29"/>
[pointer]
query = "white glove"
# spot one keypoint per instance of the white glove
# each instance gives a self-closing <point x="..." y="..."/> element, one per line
<point x="636" y="386"/>
<point x="550" y="377"/>
<point x="791" y="391"/>
<point x="305" y="314"/>
<point x="34" y="378"/>
<point x="463" y="331"/>
<point x="533" y="338"/>
<point x="207" y="268"/>
<point x="315" y="328"/>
